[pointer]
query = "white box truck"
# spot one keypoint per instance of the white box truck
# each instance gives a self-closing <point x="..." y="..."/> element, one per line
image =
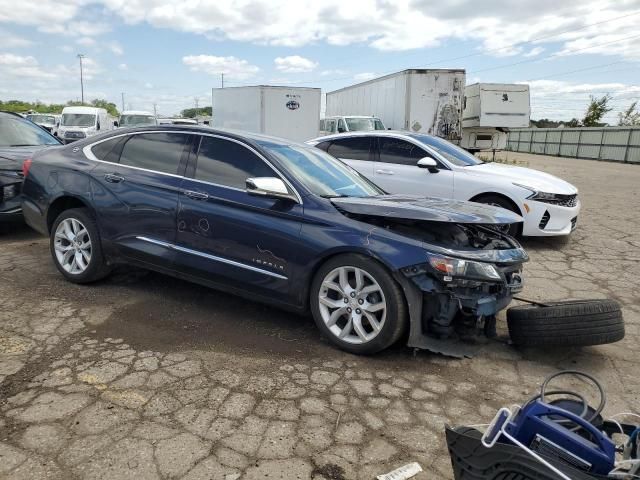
<point x="82" y="122"/>
<point x="288" y="112"/>
<point x="490" y="110"/>
<point x="419" y="100"/>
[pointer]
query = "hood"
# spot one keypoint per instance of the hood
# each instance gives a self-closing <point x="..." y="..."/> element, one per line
<point x="413" y="207"/>
<point x="11" y="158"/>
<point x="540" y="181"/>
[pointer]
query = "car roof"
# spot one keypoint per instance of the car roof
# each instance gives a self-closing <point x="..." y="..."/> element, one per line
<point x="263" y="140"/>
<point x="136" y="112"/>
<point x="351" y="116"/>
<point x="12" y="114"/>
<point x="361" y="133"/>
<point x="82" y="109"/>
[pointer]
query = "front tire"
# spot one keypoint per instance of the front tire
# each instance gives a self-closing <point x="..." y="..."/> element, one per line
<point x="76" y="248"/>
<point x="357" y="304"/>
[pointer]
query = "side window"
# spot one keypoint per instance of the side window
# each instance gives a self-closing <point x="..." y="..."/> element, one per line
<point x="160" y="152"/>
<point x="228" y="163"/>
<point x="395" y="150"/>
<point x="322" y="124"/>
<point x="331" y="126"/>
<point x="341" y="126"/>
<point x="109" y="150"/>
<point x="323" y="145"/>
<point x="354" y="148"/>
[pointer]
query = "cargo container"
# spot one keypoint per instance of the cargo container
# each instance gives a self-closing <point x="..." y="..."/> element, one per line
<point x="418" y="100"/>
<point x="288" y="112"/>
<point x="490" y="110"/>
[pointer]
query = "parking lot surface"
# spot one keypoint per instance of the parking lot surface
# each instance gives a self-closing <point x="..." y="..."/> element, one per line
<point x="144" y="376"/>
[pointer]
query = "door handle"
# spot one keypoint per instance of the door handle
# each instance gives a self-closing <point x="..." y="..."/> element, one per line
<point x="385" y="172"/>
<point x="196" y="195"/>
<point x="113" y="178"/>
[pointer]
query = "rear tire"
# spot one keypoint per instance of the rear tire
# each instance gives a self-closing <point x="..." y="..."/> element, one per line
<point x="357" y="304"/>
<point x="76" y="247"/>
<point x="499" y="201"/>
<point x="571" y="323"/>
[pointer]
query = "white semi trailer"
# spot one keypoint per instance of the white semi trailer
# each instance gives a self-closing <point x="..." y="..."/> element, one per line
<point x="490" y="110"/>
<point x="288" y="112"/>
<point x="418" y="100"/>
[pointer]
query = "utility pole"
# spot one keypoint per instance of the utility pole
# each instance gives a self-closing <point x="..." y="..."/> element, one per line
<point x="80" y="57"/>
<point x="196" y="99"/>
<point x="155" y="111"/>
<point x="122" y="101"/>
<point x="222" y="79"/>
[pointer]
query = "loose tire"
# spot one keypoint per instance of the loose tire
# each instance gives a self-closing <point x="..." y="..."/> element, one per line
<point x="572" y="323"/>
<point x="76" y="248"/>
<point x="498" y="201"/>
<point x="357" y="304"/>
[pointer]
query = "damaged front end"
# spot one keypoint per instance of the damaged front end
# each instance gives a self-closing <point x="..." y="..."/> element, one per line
<point x="457" y="292"/>
<point x="470" y="272"/>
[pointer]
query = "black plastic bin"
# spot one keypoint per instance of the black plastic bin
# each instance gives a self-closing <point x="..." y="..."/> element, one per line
<point x="472" y="461"/>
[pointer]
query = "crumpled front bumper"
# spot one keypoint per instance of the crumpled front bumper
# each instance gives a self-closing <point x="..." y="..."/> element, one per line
<point x="437" y="309"/>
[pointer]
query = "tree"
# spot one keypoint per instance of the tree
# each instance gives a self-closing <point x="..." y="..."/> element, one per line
<point x="574" y="122"/>
<point x="597" y="109"/>
<point x="108" y="106"/>
<point x="545" y="123"/>
<point x="194" y="112"/>
<point x="630" y="117"/>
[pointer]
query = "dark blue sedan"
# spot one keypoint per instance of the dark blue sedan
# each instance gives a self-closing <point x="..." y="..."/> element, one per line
<point x="277" y="222"/>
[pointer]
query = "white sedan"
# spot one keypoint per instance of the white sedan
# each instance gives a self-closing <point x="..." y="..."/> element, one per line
<point x="415" y="163"/>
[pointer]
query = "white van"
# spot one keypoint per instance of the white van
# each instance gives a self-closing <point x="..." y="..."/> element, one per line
<point x="81" y="122"/>
<point x="136" y="118"/>
<point x="351" y="123"/>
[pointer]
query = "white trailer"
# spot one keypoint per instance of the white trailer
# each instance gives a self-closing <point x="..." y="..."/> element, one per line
<point x="490" y="110"/>
<point x="419" y="100"/>
<point x="288" y="112"/>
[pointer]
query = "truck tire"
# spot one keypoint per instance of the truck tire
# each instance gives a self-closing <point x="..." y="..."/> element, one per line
<point x="570" y="323"/>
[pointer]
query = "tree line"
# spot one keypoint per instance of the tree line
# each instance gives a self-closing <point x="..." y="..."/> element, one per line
<point x="596" y="110"/>
<point x="20" y="106"/>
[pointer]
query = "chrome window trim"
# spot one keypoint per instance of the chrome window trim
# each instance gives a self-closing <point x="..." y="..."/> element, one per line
<point x="210" y="257"/>
<point x="86" y="150"/>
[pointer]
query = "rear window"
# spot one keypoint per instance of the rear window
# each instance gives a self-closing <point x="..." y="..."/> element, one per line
<point x="160" y="152"/>
<point x="354" y="148"/>
<point x="109" y="150"/>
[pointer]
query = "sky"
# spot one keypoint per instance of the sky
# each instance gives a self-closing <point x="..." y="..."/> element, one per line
<point x="172" y="52"/>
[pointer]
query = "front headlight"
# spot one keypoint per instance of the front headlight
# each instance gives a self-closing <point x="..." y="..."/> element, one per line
<point x="456" y="267"/>
<point x="542" y="196"/>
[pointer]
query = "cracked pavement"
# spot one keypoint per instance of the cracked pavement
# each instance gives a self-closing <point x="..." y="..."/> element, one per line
<point x="144" y="376"/>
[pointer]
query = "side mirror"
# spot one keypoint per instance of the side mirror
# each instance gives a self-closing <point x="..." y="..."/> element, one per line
<point x="428" y="163"/>
<point x="270" y="187"/>
<point x="115" y="124"/>
<point x="98" y="126"/>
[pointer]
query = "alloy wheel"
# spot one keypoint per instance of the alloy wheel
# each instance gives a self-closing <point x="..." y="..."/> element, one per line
<point x="352" y="305"/>
<point x="72" y="246"/>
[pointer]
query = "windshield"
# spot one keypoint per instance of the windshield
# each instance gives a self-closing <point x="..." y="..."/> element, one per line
<point x="15" y="132"/>
<point x="78" y="120"/>
<point x="137" y="120"/>
<point x="454" y="154"/>
<point x="44" y="119"/>
<point x="322" y="174"/>
<point x="364" y="124"/>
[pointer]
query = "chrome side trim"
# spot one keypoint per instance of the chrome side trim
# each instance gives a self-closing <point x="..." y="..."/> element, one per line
<point x="11" y="212"/>
<point x="210" y="257"/>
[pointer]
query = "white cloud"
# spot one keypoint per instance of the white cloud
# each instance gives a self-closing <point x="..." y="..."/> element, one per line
<point x="295" y="64"/>
<point x="10" y="40"/>
<point x="234" y="67"/>
<point x="335" y="71"/>
<point x="364" y="76"/>
<point x="123" y="66"/>
<point x="148" y="85"/>
<point x="86" y="41"/>
<point x="115" y="48"/>
<point x="24" y="67"/>
<point x="564" y="100"/>
<point x="534" y="52"/>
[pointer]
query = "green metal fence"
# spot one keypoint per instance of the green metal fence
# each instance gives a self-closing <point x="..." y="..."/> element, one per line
<point x="617" y="144"/>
